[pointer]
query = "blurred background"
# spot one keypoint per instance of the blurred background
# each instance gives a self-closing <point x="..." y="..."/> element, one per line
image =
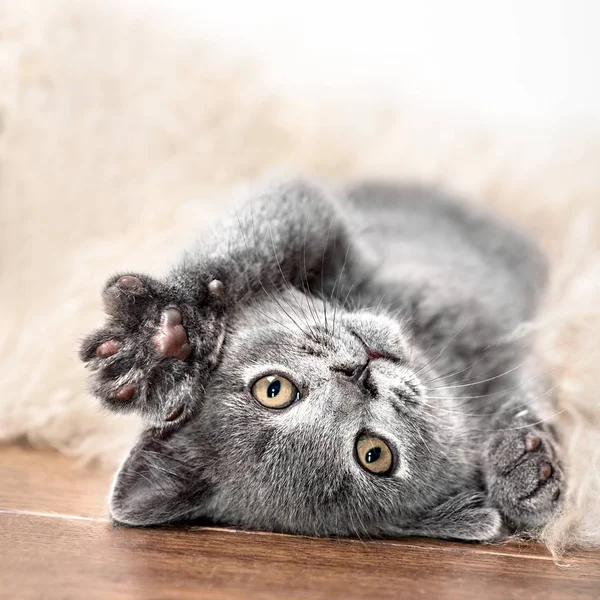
<point x="125" y="126"/>
<point x="490" y="61"/>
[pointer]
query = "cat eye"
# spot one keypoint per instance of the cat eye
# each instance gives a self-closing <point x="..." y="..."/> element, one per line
<point x="275" y="391"/>
<point x="374" y="454"/>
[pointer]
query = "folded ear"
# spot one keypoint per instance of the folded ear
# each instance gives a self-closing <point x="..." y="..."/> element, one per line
<point x="462" y="517"/>
<point x="156" y="484"/>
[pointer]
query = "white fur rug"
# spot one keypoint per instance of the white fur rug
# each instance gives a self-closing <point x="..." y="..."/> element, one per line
<point x="117" y="142"/>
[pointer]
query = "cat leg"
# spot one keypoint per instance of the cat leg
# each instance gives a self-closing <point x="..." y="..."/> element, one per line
<point x="522" y="465"/>
<point x="461" y="517"/>
<point x="293" y="235"/>
<point x="163" y="338"/>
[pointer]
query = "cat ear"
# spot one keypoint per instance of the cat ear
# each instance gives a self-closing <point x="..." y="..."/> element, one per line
<point x="462" y="517"/>
<point x="156" y="484"/>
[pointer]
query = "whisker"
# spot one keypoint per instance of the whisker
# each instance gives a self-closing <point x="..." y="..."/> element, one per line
<point x="514" y="408"/>
<point x="463" y="385"/>
<point x="325" y="246"/>
<point x="338" y="279"/>
<point x="272" y="318"/>
<point x="307" y="290"/>
<point x="258" y="276"/>
<point x="486" y="351"/>
<point x="289" y="288"/>
<point x="528" y="424"/>
<point x="436" y="358"/>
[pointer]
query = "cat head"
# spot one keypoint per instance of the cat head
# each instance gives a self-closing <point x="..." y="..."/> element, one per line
<point x="314" y="422"/>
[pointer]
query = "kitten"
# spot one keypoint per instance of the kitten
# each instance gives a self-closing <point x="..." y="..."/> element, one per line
<point x="348" y="364"/>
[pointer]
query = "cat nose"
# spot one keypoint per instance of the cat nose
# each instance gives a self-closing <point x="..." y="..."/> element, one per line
<point x="354" y="372"/>
<point x="365" y="381"/>
<point x="360" y="373"/>
<point x="361" y="376"/>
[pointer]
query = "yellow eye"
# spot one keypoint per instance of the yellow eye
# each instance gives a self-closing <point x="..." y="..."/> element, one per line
<point x="374" y="454"/>
<point x="275" y="391"/>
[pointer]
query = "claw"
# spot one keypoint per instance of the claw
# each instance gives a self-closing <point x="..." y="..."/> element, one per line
<point x="216" y="287"/>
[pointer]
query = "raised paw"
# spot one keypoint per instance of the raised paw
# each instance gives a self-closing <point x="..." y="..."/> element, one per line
<point x="524" y="476"/>
<point x="154" y="351"/>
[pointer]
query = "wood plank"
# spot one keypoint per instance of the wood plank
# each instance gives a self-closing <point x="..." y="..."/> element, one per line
<point x="45" y="481"/>
<point x="63" y="558"/>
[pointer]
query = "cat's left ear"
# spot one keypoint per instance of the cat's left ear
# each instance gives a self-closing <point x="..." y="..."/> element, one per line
<point x="156" y="484"/>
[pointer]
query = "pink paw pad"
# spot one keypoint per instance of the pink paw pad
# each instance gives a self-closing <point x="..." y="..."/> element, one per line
<point x="126" y="393"/>
<point x="107" y="349"/>
<point x="532" y="442"/>
<point x="130" y="282"/>
<point x="545" y="471"/>
<point x="172" y="341"/>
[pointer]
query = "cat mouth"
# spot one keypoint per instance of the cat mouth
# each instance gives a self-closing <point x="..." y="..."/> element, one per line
<point x="374" y="353"/>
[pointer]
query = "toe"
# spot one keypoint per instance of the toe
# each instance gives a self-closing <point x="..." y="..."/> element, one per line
<point x="532" y="442"/>
<point x="129" y="282"/>
<point x="127" y="296"/>
<point x="545" y="471"/>
<point x="108" y="349"/>
<point x="101" y="343"/>
<point x="176" y="413"/>
<point x="126" y="393"/>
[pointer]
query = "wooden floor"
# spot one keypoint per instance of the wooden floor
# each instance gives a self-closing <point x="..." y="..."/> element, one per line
<point x="56" y="542"/>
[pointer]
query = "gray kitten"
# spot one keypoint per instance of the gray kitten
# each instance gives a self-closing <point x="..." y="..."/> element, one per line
<point x="348" y="364"/>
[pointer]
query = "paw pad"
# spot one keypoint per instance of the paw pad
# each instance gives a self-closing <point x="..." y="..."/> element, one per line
<point x="129" y="282"/>
<point x="175" y="414"/>
<point x="107" y="349"/>
<point x="532" y="442"/>
<point x="545" y="471"/>
<point x="171" y="341"/>
<point x="126" y="393"/>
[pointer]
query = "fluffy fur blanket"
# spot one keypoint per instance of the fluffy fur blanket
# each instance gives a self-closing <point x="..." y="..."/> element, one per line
<point x="118" y="141"/>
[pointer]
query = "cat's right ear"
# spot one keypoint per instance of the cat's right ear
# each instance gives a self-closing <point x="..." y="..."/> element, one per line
<point x="156" y="484"/>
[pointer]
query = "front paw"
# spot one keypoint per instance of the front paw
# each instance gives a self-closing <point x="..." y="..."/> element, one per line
<point x="155" y="352"/>
<point x="524" y="476"/>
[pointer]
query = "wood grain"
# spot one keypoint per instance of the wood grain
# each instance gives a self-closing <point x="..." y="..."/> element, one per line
<point x="51" y="549"/>
<point x="48" y="482"/>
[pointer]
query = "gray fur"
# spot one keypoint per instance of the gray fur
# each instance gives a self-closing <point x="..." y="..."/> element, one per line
<point x="441" y="289"/>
